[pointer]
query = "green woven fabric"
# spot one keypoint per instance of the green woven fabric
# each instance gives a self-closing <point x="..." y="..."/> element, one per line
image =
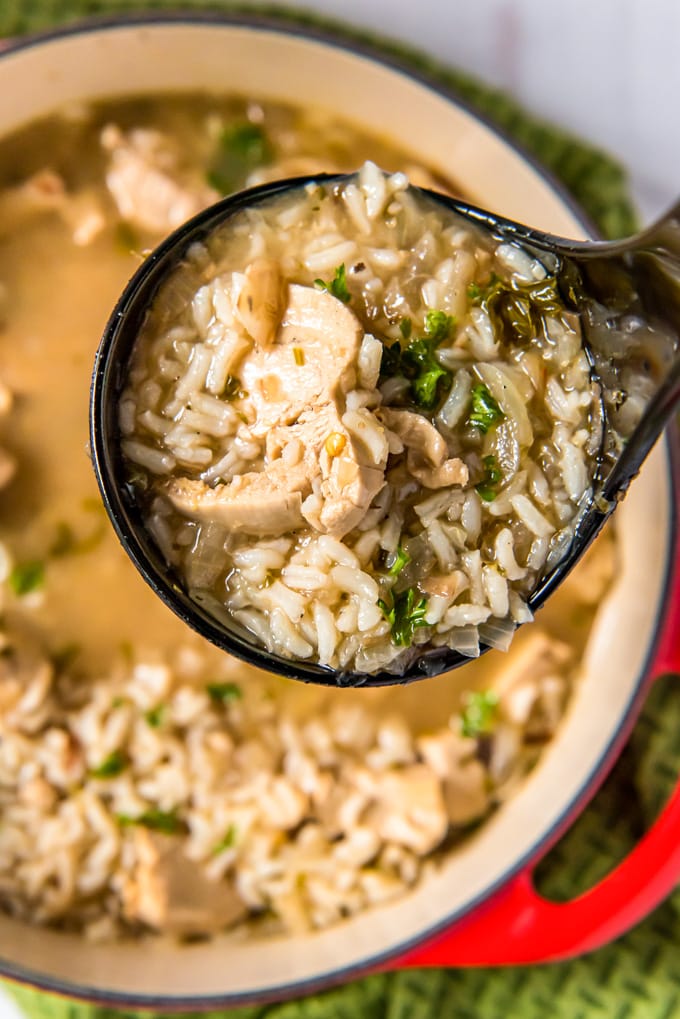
<point x="638" y="977"/>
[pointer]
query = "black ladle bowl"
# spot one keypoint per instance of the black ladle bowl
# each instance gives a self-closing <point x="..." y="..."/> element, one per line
<point x="627" y="290"/>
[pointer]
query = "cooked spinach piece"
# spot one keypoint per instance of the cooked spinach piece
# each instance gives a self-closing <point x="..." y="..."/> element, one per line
<point x="517" y="310"/>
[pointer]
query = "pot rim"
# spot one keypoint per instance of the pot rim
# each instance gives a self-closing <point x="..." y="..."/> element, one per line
<point x="335" y="35"/>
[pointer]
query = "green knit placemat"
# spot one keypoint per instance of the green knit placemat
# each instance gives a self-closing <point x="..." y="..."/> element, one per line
<point x="638" y="977"/>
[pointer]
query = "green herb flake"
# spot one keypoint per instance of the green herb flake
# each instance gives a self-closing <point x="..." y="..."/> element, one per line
<point x="485" y="411"/>
<point x="479" y="713"/>
<point x="223" y="693"/>
<point x="405" y="328"/>
<point x="337" y="287"/>
<point x="154" y="716"/>
<point x="405" y="615"/>
<point x="417" y="362"/>
<point x="111" y="766"/>
<point x="425" y="371"/>
<point x="227" y="842"/>
<point x="488" y="486"/>
<point x="241" y="149"/>
<point x="439" y="326"/>
<point x="165" y="821"/>
<point x="25" y="578"/>
<point x="401" y="560"/>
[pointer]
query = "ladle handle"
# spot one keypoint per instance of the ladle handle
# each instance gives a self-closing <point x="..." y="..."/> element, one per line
<point x="519" y="926"/>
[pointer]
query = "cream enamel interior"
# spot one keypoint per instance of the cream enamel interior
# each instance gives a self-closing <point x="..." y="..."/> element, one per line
<point x="133" y="59"/>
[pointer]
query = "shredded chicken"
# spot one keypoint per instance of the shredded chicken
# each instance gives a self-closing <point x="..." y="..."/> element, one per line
<point x="320" y="466"/>
<point x="170" y="893"/>
<point x="427" y="455"/>
<point x="45" y="192"/>
<point x="144" y="180"/>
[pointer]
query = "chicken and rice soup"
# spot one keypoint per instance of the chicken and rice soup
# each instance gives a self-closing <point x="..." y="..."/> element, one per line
<point x="360" y="425"/>
<point x="148" y="783"/>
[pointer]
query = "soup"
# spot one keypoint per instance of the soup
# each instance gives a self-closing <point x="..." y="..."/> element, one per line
<point x="364" y="466"/>
<point x="149" y="783"/>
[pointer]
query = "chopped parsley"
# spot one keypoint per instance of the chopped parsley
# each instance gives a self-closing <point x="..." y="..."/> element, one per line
<point x="404" y="615"/>
<point x="417" y="362"/>
<point x="154" y="716"/>
<point x="241" y="149"/>
<point x="488" y="486"/>
<point x="427" y="372"/>
<point x="227" y="842"/>
<point x="222" y="693"/>
<point x="439" y="326"/>
<point x="485" y="411"/>
<point x="27" y="577"/>
<point x="401" y="560"/>
<point x="337" y="287"/>
<point x="516" y="310"/>
<point x="111" y="766"/>
<point x="165" y="821"/>
<point x="479" y="713"/>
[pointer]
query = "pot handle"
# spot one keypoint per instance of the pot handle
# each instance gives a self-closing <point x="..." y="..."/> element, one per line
<point x="520" y="926"/>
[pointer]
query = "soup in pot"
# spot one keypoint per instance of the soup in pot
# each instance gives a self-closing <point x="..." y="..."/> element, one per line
<point x="149" y="783"/>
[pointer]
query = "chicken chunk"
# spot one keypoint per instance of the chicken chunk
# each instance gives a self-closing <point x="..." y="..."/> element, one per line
<point x="427" y="452"/>
<point x="410" y="808"/>
<point x="319" y="468"/>
<point x="311" y="362"/>
<point x="173" y="895"/>
<point x="143" y="179"/>
<point x="262" y="300"/>
<point x="260" y="502"/>
<point x="45" y="192"/>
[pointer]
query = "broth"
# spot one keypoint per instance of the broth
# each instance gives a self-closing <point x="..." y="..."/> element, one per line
<point x="102" y="689"/>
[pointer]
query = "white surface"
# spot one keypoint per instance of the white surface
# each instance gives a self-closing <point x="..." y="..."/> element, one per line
<point x="606" y="69"/>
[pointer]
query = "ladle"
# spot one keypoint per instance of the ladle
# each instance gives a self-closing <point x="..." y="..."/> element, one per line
<point x="627" y="295"/>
